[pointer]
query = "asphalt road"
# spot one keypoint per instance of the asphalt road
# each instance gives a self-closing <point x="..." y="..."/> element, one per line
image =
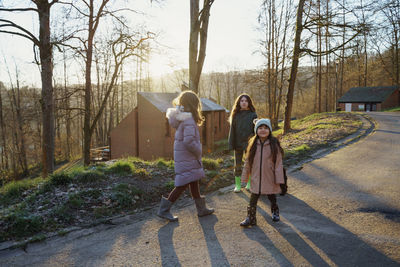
<point x="343" y="210"/>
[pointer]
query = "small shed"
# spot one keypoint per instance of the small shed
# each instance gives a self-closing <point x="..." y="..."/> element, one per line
<point x="370" y="98"/>
<point x="146" y="133"/>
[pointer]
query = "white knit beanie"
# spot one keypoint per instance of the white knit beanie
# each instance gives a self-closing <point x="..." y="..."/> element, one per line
<point x="259" y="122"/>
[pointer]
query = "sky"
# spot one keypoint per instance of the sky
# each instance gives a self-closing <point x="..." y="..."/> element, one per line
<point x="232" y="36"/>
<point x="231" y="45"/>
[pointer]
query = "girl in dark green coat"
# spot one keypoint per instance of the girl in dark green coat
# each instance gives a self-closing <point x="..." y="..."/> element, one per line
<point x="241" y="129"/>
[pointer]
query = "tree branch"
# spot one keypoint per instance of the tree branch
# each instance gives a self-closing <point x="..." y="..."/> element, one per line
<point x="16" y="33"/>
<point x="323" y="53"/>
<point x="18" y="9"/>
<point x="53" y="2"/>
<point x="28" y="34"/>
<point x="75" y="7"/>
<point x="96" y="20"/>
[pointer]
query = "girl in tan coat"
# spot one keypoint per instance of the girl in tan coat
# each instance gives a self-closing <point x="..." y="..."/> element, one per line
<point x="264" y="165"/>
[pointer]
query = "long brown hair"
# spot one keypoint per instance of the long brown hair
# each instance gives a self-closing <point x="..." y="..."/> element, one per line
<point x="191" y="103"/>
<point x="252" y="148"/>
<point x="236" y="107"/>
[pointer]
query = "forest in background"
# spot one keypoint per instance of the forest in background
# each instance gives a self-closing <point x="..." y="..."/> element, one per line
<point x="344" y="44"/>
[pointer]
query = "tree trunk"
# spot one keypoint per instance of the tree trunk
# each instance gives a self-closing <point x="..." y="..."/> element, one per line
<point x="365" y="74"/>
<point x="327" y="98"/>
<point x="13" y="152"/>
<point x="4" y="156"/>
<point x="193" y="44"/>
<point x="47" y="88"/>
<point x="67" y="118"/>
<point x="87" y="134"/>
<point x="343" y="49"/>
<point x="295" y="63"/>
<point x="112" y="108"/>
<point x="396" y="57"/>
<point x="270" y="40"/>
<point x="122" y="97"/>
<point x="316" y="87"/>
<point x="274" y="64"/>
<point x="21" y="138"/>
<point x="319" y="36"/>
<point x="198" y="30"/>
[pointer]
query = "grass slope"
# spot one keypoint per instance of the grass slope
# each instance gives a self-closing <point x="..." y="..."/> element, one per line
<point x="84" y="196"/>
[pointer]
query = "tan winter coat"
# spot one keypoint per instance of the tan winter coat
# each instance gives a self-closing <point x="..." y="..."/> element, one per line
<point x="271" y="174"/>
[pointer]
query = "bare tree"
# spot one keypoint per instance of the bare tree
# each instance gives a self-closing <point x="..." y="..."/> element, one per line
<point x="44" y="44"/>
<point x="15" y="96"/>
<point x="295" y="63"/>
<point x="4" y="155"/>
<point x="122" y="46"/>
<point x="93" y="23"/>
<point x="275" y="27"/>
<point x="387" y="38"/>
<point x="67" y="108"/>
<point x="179" y="76"/>
<point x="198" y="30"/>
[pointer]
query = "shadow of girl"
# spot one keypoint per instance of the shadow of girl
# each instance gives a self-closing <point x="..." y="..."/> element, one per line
<point x="257" y="234"/>
<point x="341" y="246"/>
<point x="215" y="250"/>
<point x="168" y="254"/>
<point x="294" y="239"/>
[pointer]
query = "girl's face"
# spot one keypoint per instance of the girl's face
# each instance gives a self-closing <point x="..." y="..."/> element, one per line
<point x="244" y="104"/>
<point x="263" y="132"/>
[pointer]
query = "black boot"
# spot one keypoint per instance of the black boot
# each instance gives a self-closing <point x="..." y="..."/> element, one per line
<point x="251" y="217"/>
<point x="275" y="213"/>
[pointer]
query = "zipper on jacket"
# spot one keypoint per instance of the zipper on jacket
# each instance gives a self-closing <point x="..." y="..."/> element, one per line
<point x="262" y="148"/>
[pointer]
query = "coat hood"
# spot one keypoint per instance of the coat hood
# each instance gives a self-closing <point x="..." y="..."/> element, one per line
<point x="176" y="115"/>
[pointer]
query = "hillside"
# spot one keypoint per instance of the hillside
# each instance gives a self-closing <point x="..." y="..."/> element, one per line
<point x="82" y="197"/>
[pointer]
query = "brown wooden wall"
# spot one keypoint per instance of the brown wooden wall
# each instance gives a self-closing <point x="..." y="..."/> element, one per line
<point x="123" y="138"/>
<point x="146" y="133"/>
<point x="215" y="128"/>
<point x="392" y="101"/>
<point x="152" y="130"/>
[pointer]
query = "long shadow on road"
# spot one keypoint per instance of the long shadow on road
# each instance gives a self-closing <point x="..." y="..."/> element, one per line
<point x="371" y="203"/>
<point x="78" y="249"/>
<point x="215" y="250"/>
<point x="288" y="233"/>
<point x="310" y="233"/>
<point x="257" y="234"/>
<point x="340" y="245"/>
<point x="168" y="254"/>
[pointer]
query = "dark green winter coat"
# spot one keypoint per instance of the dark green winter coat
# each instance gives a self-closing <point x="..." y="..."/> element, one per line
<point x="242" y="128"/>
